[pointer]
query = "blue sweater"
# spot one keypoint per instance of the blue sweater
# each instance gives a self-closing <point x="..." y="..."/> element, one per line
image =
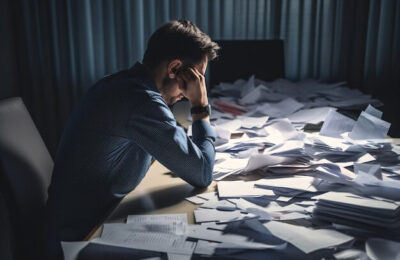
<point x="107" y="147"/>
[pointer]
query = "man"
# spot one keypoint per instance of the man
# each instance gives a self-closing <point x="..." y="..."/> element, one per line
<point x="122" y="122"/>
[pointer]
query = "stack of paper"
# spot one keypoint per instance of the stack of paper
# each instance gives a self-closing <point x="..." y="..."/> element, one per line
<point x="374" y="215"/>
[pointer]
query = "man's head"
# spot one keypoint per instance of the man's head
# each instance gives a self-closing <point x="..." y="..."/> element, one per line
<point x="172" y="47"/>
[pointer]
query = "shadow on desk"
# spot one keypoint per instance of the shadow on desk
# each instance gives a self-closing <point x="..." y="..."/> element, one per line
<point x="157" y="199"/>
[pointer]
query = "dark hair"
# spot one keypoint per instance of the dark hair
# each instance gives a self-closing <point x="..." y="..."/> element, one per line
<point x="179" y="40"/>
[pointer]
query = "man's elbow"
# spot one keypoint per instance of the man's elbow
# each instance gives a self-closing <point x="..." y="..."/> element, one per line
<point x="203" y="183"/>
<point x="206" y="178"/>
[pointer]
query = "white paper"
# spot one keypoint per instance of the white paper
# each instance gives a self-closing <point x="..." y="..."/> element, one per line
<point x="71" y="249"/>
<point x="253" y="122"/>
<point x="373" y="111"/>
<point x="369" y="127"/>
<point x="336" y="124"/>
<point x="166" y="223"/>
<point x="352" y="200"/>
<point x="304" y="183"/>
<point x="307" y="239"/>
<point x="173" y="256"/>
<point x="351" y="254"/>
<point x="281" y="109"/>
<point x="196" y="200"/>
<point x="157" y="218"/>
<point x="200" y="232"/>
<point x="205" y="247"/>
<point x="311" y="116"/>
<point x="208" y="196"/>
<point x="235" y="189"/>
<point x="208" y="215"/>
<point x="382" y="249"/>
<point x="219" y="204"/>
<point x="281" y="130"/>
<point x="153" y="241"/>
<point x="257" y="161"/>
<point x="252" y="208"/>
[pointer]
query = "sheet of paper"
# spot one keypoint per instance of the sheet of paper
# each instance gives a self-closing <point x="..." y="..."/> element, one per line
<point x="382" y="249"/>
<point x="208" y="215"/>
<point x="161" y="242"/>
<point x="200" y="232"/>
<point x="336" y="124"/>
<point x="255" y="209"/>
<point x="157" y="218"/>
<point x="371" y="169"/>
<point x="177" y="228"/>
<point x="306" y="239"/>
<point x="196" y="200"/>
<point x="252" y="96"/>
<point x="235" y="189"/>
<point x="311" y="116"/>
<point x="372" y="186"/>
<point x="351" y="254"/>
<point x="166" y="223"/>
<point x="71" y="249"/>
<point x="293" y="216"/>
<point x="173" y="256"/>
<point x="290" y="148"/>
<point x="353" y="200"/>
<point x="281" y="109"/>
<point x="257" y="161"/>
<point x="369" y="127"/>
<point x="373" y="111"/>
<point x="248" y="86"/>
<point x="219" y="204"/>
<point x="208" y="196"/>
<point x="205" y="247"/>
<point x="304" y="183"/>
<point x="253" y="122"/>
<point x="281" y="130"/>
<point x="261" y="94"/>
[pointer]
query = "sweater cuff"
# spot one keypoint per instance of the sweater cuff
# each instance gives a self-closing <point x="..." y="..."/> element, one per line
<point x="201" y="129"/>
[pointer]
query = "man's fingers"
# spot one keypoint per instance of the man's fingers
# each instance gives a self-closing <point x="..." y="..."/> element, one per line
<point x="194" y="73"/>
<point x="184" y="77"/>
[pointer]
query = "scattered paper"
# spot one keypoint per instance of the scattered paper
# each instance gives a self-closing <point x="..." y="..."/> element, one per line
<point x="307" y="239"/>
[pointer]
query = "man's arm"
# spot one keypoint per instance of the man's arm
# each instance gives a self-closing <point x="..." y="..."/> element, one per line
<point x="155" y="130"/>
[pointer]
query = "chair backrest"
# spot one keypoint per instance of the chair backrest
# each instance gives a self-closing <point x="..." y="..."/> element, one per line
<point x="25" y="170"/>
<point x="242" y="58"/>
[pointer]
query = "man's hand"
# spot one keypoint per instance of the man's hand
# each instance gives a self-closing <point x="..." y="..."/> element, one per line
<point x="193" y="86"/>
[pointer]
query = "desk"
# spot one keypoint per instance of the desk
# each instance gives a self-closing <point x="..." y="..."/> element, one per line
<point x="160" y="192"/>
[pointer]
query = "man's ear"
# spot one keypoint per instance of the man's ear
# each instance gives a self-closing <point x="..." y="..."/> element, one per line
<point x="173" y="67"/>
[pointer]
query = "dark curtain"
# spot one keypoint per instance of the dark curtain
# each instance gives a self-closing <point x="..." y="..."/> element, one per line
<point x="55" y="50"/>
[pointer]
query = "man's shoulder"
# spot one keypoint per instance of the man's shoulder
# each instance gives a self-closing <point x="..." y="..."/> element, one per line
<point x="128" y="85"/>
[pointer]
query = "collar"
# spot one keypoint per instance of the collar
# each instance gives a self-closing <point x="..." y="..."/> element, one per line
<point x="139" y="72"/>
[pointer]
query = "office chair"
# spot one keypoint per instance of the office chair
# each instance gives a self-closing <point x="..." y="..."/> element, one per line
<point x="25" y="172"/>
<point x="243" y="58"/>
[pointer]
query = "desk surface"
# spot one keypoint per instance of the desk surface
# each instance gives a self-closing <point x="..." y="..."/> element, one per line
<point x="161" y="192"/>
